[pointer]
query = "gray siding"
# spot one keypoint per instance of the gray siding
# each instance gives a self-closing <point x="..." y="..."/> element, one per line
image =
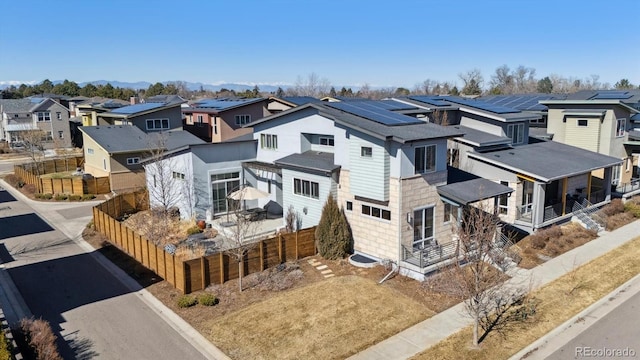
<point x="408" y="156"/>
<point x="369" y="176"/>
<point x="174" y="115"/>
<point x="326" y="185"/>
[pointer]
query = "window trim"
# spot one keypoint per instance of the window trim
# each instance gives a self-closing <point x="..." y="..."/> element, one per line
<point x="299" y="189"/>
<point x="242" y="119"/>
<point x="133" y="160"/>
<point x="43" y="116"/>
<point x="434" y="156"/>
<point x="431" y="240"/>
<point x="153" y="123"/>
<point x="586" y="122"/>
<point x="329" y="140"/>
<point x="177" y="175"/>
<point x="366" y="152"/>
<point x="200" y="120"/>
<point x="58" y="115"/>
<point x="90" y="151"/>
<point x="518" y="136"/>
<point x="269" y="141"/>
<point x="370" y="212"/>
<point x="349" y="206"/>
<point x="620" y="130"/>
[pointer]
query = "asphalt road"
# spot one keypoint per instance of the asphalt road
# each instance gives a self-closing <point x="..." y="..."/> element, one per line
<point x="617" y="330"/>
<point x="93" y="314"/>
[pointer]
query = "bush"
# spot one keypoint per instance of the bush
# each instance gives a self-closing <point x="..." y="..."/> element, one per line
<point x="14" y="180"/>
<point x="29" y="188"/>
<point x="43" y="196"/>
<point x="86" y="197"/>
<point x="614" y="207"/>
<point x="39" y="336"/>
<point x="207" y="299"/>
<point x="5" y="347"/>
<point x="61" y="197"/>
<point x="186" y="301"/>
<point x="75" y="197"/>
<point x="632" y="208"/>
<point x="194" y="230"/>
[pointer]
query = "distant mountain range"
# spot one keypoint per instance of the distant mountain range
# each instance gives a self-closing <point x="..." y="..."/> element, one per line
<point x="146" y="84"/>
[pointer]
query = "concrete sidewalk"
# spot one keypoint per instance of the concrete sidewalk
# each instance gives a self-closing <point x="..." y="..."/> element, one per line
<point x="437" y="328"/>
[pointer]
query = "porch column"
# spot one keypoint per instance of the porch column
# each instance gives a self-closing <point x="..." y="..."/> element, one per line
<point x="565" y="182"/>
<point x="537" y="216"/>
<point x="606" y="183"/>
<point x="459" y="215"/>
<point x="589" y="187"/>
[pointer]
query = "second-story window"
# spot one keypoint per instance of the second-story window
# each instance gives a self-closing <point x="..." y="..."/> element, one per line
<point x="306" y="188"/>
<point x="157" y="124"/>
<point x="326" y="140"/>
<point x="516" y="133"/>
<point x="133" y="161"/>
<point x="366" y="151"/>
<point x="59" y="115"/>
<point x="269" y="141"/>
<point x="243" y="119"/>
<point x="620" y="127"/>
<point x="44" y="116"/>
<point x="425" y="159"/>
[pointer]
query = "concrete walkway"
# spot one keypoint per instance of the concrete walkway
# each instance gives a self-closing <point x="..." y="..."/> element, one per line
<point x="437" y="328"/>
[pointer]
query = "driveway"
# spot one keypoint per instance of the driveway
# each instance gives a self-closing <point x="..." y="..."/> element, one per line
<point x="93" y="313"/>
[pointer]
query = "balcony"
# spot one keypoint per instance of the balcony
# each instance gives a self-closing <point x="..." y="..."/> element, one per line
<point x="430" y="255"/>
<point x="633" y="185"/>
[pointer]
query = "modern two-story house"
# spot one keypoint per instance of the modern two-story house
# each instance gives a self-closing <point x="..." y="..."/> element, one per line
<point x="148" y="116"/>
<point x="35" y="113"/>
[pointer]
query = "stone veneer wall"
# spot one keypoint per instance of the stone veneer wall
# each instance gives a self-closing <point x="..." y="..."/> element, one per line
<point x="372" y="236"/>
<point x="418" y="192"/>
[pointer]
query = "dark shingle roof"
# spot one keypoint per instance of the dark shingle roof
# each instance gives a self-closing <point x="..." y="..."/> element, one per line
<point x="547" y="160"/>
<point x="470" y="191"/>
<point x="16" y="105"/>
<point x="128" y="138"/>
<point x="309" y="160"/>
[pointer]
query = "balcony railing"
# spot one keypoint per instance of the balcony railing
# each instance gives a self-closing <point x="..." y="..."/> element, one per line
<point x="430" y="255"/>
<point x="633" y="185"/>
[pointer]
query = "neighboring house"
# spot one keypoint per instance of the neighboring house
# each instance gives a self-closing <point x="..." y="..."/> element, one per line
<point x="276" y="105"/>
<point x="384" y="168"/>
<point x="221" y="119"/>
<point x="601" y="121"/>
<point x="529" y="103"/>
<point x="148" y="116"/>
<point x="200" y="176"/>
<point x="89" y="109"/>
<point x="19" y="115"/>
<point x="116" y="152"/>
<point x="73" y="102"/>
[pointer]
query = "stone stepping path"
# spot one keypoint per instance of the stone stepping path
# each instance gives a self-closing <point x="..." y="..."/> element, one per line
<point x="324" y="269"/>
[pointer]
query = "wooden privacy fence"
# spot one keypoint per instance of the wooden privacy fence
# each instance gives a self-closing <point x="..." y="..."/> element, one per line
<point x="75" y="185"/>
<point x="197" y="274"/>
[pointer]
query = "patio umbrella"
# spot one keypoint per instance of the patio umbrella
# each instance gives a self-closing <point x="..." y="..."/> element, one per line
<point x="248" y="193"/>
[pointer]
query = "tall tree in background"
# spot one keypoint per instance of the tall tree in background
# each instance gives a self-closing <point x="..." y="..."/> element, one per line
<point x="280" y="93"/>
<point x="155" y="89"/>
<point x="623" y="84"/>
<point x="473" y="82"/>
<point x="332" y="92"/>
<point x="545" y="85"/>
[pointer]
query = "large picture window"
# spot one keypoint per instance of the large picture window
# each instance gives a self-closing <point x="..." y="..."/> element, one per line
<point x="44" y="116"/>
<point x="221" y="186"/>
<point x="306" y="188"/>
<point x="157" y="124"/>
<point x="423" y="220"/>
<point x="268" y="141"/>
<point x="425" y="159"/>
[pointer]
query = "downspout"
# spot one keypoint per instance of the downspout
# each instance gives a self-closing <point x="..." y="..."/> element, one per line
<point x="394" y="268"/>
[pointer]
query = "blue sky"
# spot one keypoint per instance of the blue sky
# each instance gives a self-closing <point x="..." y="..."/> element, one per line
<point x="382" y="43"/>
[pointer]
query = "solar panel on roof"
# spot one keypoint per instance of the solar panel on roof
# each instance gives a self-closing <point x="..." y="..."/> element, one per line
<point x="430" y="100"/>
<point x="615" y="95"/>
<point x="496" y="109"/>
<point x="372" y="113"/>
<point x="132" y="109"/>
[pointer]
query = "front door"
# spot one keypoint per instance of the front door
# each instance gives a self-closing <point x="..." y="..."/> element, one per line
<point x="221" y="186"/>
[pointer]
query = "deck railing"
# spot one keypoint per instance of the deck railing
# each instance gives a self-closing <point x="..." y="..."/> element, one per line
<point x="430" y="255"/>
<point x="632" y="185"/>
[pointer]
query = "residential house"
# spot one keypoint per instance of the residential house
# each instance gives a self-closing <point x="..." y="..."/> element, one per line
<point x="89" y="109"/>
<point x="47" y="115"/>
<point x="164" y="115"/>
<point x="117" y="151"/>
<point x="601" y="121"/>
<point x="276" y="105"/>
<point x="528" y="103"/>
<point x="383" y="167"/>
<point x="200" y="176"/>
<point x="217" y="120"/>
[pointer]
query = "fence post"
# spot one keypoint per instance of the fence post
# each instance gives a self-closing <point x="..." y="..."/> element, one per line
<point x="203" y="272"/>
<point x="221" y="268"/>
<point x="297" y="257"/>
<point x="261" y="255"/>
<point x="280" y="247"/>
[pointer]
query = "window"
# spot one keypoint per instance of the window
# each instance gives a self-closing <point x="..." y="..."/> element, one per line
<point x="133" y="161"/>
<point x="177" y="175"/>
<point x="215" y="126"/>
<point x="448" y="211"/>
<point x="221" y="186"/>
<point x="90" y="151"/>
<point x="583" y="122"/>
<point x="44" y="116"/>
<point x="104" y="163"/>
<point x="47" y="136"/>
<point x="243" y="119"/>
<point x="154" y="181"/>
<point x="349" y="206"/>
<point x="306" y="188"/>
<point x="516" y="133"/>
<point x="16" y="115"/>
<point x="326" y="140"/>
<point x="268" y="141"/>
<point x="157" y="124"/>
<point x="60" y="134"/>
<point x="59" y="115"/>
<point x="620" y="127"/>
<point x="423" y="220"/>
<point x="503" y="200"/>
<point x="615" y="174"/>
<point x="269" y="186"/>
<point x="366" y="151"/>
<point x="200" y="120"/>
<point x="627" y="163"/>
<point x="376" y="212"/>
<point x="425" y="159"/>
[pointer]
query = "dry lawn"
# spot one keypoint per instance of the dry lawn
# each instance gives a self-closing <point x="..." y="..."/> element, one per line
<point x="551" y="242"/>
<point x="330" y="319"/>
<point x="557" y="301"/>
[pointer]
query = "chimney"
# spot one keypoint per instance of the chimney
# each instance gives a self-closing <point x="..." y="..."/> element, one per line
<point x="134" y="100"/>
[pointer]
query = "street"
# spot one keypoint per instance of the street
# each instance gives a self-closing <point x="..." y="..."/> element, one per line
<point x="91" y="311"/>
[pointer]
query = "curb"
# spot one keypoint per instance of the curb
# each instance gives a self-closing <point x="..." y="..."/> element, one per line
<point x="544" y="346"/>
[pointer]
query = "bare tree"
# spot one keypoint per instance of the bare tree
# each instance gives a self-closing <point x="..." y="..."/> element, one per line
<point x="34" y="140"/>
<point x="164" y="192"/>
<point x="440" y="117"/>
<point x="312" y="85"/>
<point x="478" y="275"/>
<point x="473" y="82"/>
<point x="240" y="238"/>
